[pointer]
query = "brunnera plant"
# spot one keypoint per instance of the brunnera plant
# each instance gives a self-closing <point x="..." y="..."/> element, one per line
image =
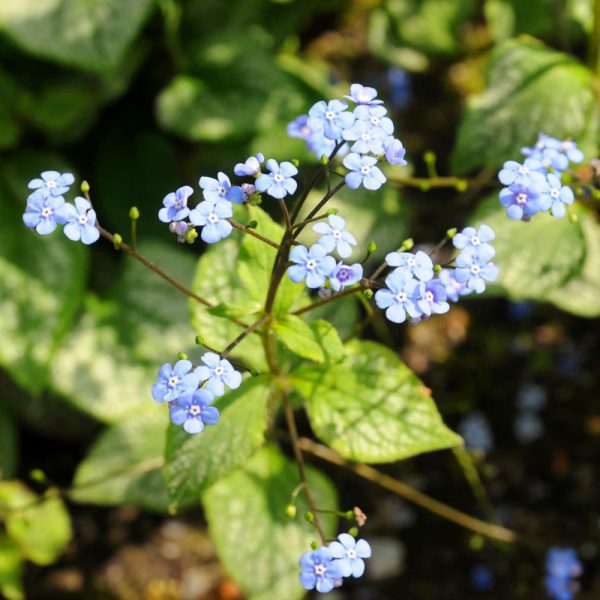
<point x="265" y="356"/>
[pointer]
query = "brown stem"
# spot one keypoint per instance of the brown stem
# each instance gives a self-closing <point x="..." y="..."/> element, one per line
<point x="405" y="491"/>
<point x="253" y="327"/>
<point x="253" y="233"/>
<point x="332" y="192"/>
<point x="286" y="214"/>
<point x="324" y="301"/>
<point x="308" y="221"/>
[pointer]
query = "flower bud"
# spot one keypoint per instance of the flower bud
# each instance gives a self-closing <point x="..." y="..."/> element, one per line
<point x="461" y="185"/>
<point x="182" y="356"/>
<point x="451" y="233"/>
<point x="134" y="213"/>
<point x="371" y="247"/>
<point x="368" y="294"/>
<point x="190" y="236"/>
<point x="85" y="187"/>
<point x="308" y="516"/>
<point x="353" y="531"/>
<point x="117" y="241"/>
<point x="407" y="245"/>
<point x="290" y="511"/>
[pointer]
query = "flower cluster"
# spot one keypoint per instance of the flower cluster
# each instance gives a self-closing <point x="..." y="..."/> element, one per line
<point x="190" y="392"/>
<point x="562" y="568"/>
<point x="325" y="567"/>
<point x="363" y="136"/>
<point x="536" y="184"/>
<point x="46" y="209"/>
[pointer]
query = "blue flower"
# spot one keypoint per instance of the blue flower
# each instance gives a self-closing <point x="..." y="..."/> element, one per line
<point x="331" y="118"/>
<point x="250" y="167"/>
<point x="531" y="397"/>
<point x="298" y="128"/>
<point x="524" y="201"/>
<point x="363" y="172"/>
<point x="44" y="212"/>
<point x="432" y="298"/>
<point x="454" y="289"/>
<point x="81" y="222"/>
<point x="544" y="142"/>
<point x="366" y="137"/>
<point x="528" y="427"/>
<point x="473" y="238"/>
<point x="474" y="269"/>
<point x="572" y="151"/>
<point x="314" y="265"/>
<point x="515" y="173"/>
<point x="400" y="87"/>
<point x="344" y="275"/>
<point x="279" y="182"/>
<point x="218" y="373"/>
<point x="175" y="381"/>
<point x="334" y="236"/>
<point x="349" y="554"/>
<point x="221" y="189"/>
<point x="193" y="411"/>
<point x="476" y="432"/>
<point x="547" y="151"/>
<point x="559" y="195"/>
<point x="175" y="205"/>
<point x="420" y="264"/>
<point x="52" y="183"/>
<point x="398" y="299"/>
<point x="394" y="151"/>
<point x="361" y="94"/>
<point x="482" y="578"/>
<point x="212" y="216"/>
<point x="563" y="562"/>
<point x="559" y="588"/>
<point x="375" y="116"/>
<point x="319" y="570"/>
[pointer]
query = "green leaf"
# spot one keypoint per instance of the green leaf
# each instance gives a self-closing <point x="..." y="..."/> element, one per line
<point x="258" y="544"/>
<point x="371" y="407"/>
<point x="107" y="365"/>
<point x="580" y="295"/>
<point x="93" y="36"/>
<point x="194" y="462"/>
<point x="256" y="260"/>
<point x="40" y="528"/>
<point x="124" y="465"/>
<point x="318" y="341"/>
<point x="530" y="89"/>
<point x="11" y="568"/>
<point x="42" y="277"/>
<point x="528" y="268"/>
<point x="8" y="444"/>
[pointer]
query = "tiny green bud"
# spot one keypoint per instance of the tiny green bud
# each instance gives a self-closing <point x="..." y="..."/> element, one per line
<point x="461" y="185"/>
<point x="309" y="517"/>
<point x="353" y="531"/>
<point x="295" y="162"/>
<point x="476" y="542"/>
<point x="38" y="475"/>
<point x="573" y="217"/>
<point x="190" y="235"/>
<point x="437" y="269"/>
<point x="368" y="294"/>
<point x="371" y="247"/>
<point x="85" y="187"/>
<point x="349" y="515"/>
<point x="324" y="159"/>
<point x="332" y="211"/>
<point x="134" y="213"/>
<point x="117" y="240"/>
<point x="425" y="186"/>
<point x="252" y="224"/>
<point x="314" y="545"/>
<point x="451" y="233"/>
<point x="255" y="199"/>
<point x="182" y="356"/>
<point x="199" y="340"/>
<point x="290" y="511"/>
<point x="254" y="372"/>
<point x="407" y="244"/>
<point x="429" y="157"/>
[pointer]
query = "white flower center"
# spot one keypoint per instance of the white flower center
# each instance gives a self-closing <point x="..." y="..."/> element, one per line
<point x="278" y="177"/>
<point x="411" y="262"/>
<point x="51" y="184"/>
<point x="222" y="191"/>
<point x="401" y="296"/>
<point x="475" y="240"/>
<point x="311" y="264"/>
<point x="554" y="193"/>
<point x="83" y="219"/>
<point x="429" y="296"/>
<point x="219" y="370"/>
<point x="365" y="170"/>
<point x="329" y="115"/>
<point x="173" y="381"/>
<point x="475" y="269"/>
<point x="320" y="570"/>
<point x="212" y="218"/>
<point x="523" y="170"/>
<point x="46" y="212"/>
<point x="521" y="198"/>
<point x="351" y="553"/>
<point x="365" y="136"/>
<point x="375" y="120"/>
<point x="336" y="233"/>
<point x="194" y="410"/>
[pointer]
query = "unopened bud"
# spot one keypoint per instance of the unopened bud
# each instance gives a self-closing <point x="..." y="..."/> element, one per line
<point x="314" y="545"/>
<point x="255" y="199"/>
<point x="368" y="294"/>
<point x="254" y="372"/>
<point x="324" y="292"/>
<point x="134" y="213"/>
<point x="190" y="236"/>
<point x="573" y="217"/>
<point x="451" y="233"/>
<point x="324" y="159"/>
<point x="437" y="269"/>
<point x="290" y="511"/>
<point x="407" y="245"/>
<point x="332" y="211"/>
<point x="424" y="186"/>
<point x="429" y="157"/>
<point x="353" y="531"/>
<point x="85" y="187"/>
<point x="182" y="356"/>
<point x="309" y="517"/>
<point x="371" y="247"/>
<point x="461" y="185"/>
<point x="295" y="162"/>
<point x="117" y="240"/>
<point x="38" y="476"/>
<point x="199" y="340"/>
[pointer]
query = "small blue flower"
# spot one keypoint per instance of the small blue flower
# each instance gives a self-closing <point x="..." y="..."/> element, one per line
<point x="250" y="167"/>
<point x="474" y="269"/>
<point x="44" y="212"/>
<point x="454" y="289"/>
<point x="279" y="182"/>
<point x="349" y="554"/>
<point x="175" y="205"/>
<point x="563" y="562"/>
<point x="515" y="173"/>
<point x="331" y="118"/>
<point x="52" y="183"/>
<point x="400" y="88"/>
<point x="212" y="216"/>
<point x="319" y="570"/>
<point x="394" y="151"/>
<point x="398" y="299"/>
<point x="81" y="222"/>
<point x="174" y="381"/>
<point x="528" y="427"/>
<point x="344" y="275"/>
<point x="524" y="201"/>
<point x="418" y="265"/>
<point x="560" y="588"/>
<point x="221" y="189"/>
<point x="544" y="142"/>
<point x="363" y="171"/>
<point x="375" y="116"/>
<point x="193" y="411"/>
<point x="482" y="578"/>
<point x="366" y="138"/>
<point x="298" y="128"/>
<point x="314" y="265"/>
<point x="476" y="432"/>
<point x="572" y="151"/>
<point x="361" y="94"/>
<point x="473" y="238"/>
<point x="559" y="196"/>
<point x="335" y="236"/>
<point x="432" y="298"/>
<point x="218" y="373"/>
<point x="548" y="151"/>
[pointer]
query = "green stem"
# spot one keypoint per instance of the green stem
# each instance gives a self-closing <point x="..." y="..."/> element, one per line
<point x="332" y="192"/>
<point x="253" y="327"/>
<point x="325" y="301"/>
<point x="254" y="234"/>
